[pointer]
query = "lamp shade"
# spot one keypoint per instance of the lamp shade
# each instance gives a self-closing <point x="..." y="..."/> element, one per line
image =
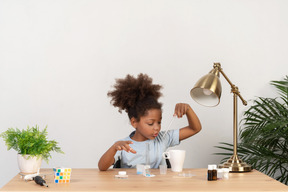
<point x="207" y="91"/>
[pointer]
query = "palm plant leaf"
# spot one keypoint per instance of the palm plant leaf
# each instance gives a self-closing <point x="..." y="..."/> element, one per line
<point x="264" y="135"/>
<point x="282" y="87"/>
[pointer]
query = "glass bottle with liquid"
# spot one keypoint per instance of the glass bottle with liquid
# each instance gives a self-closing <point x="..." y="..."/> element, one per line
<point x="209" y="173"/>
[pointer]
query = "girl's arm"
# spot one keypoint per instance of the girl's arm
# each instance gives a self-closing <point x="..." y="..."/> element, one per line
<point x="107" y="158"/>
<point x="194" y="125"/>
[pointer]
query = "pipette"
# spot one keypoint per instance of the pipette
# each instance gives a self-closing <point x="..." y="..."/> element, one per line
<point x="171" y="121"/>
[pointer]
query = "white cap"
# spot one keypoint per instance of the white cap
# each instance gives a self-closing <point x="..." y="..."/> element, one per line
<point x="220" y="170"/>
<point x="122" y="173"/>
<point x="210" y="167"/>
<point x="226" y="170"/>
<point x="146" y="166"/>
<point x="214" y="166"/>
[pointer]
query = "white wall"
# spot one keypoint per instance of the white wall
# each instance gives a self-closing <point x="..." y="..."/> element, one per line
<point x="59" y="58"/>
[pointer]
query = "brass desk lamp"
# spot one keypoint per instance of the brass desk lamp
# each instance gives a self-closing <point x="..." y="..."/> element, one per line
<point x="207" y="92"/>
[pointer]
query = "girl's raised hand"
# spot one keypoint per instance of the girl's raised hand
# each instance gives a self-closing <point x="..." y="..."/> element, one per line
<point x="124" y="145"/>
<point x="181" y="109"/>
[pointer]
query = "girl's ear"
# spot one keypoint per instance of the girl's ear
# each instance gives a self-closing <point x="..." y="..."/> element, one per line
<point x="134" y="122"/>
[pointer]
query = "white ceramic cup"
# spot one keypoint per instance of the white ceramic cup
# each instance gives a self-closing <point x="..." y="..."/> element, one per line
<point x="176" y="158"/>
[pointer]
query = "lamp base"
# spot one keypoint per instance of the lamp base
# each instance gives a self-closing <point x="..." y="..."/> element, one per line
<point x="236" y="165"/>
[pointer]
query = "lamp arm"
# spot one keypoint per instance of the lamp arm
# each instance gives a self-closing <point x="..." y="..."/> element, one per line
<point x="234" y="89"/>
<point x="235" y="164"/>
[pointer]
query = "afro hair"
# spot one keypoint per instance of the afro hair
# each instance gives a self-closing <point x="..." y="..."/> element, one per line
<point x="135" y="95"/>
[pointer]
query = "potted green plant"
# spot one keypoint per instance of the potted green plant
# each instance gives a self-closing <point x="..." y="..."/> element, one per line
<point x="264" y="135"/>
<point x="32" y="146"/>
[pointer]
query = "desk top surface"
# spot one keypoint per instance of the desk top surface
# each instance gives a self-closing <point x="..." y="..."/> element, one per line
<point x="95" y="180"/>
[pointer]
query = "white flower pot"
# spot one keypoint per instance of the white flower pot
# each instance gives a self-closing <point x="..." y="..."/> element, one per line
<point x="29" y="164"/>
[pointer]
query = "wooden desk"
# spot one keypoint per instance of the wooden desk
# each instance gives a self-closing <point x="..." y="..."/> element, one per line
<point x="95" y="180"/>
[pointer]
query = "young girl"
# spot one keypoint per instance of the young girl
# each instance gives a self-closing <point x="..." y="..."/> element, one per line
<point x="138" y="97"/>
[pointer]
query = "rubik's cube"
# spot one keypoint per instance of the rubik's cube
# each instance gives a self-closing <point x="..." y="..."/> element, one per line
<point x="62" y="175"/>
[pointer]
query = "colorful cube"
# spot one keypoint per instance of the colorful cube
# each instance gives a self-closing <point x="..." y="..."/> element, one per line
<point x="62" y="175"/>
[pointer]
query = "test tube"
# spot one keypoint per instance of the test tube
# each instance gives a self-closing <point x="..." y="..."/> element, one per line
<point x="146" y="171"/>
<point x="147" y="154"/>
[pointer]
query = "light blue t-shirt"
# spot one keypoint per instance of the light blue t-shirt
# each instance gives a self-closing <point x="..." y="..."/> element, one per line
<point x="156" y="147"/>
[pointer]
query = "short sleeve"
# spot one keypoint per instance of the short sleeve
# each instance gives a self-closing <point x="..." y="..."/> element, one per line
<point x="171" y="138"/>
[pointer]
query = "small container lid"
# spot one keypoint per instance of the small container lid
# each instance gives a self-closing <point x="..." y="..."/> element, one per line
<point x="220" y="170"/>
<point x="226" y="170"/>
<point x="210" y="167"/>
<point x="122" y="173"/>
<point x="146" y="166"/>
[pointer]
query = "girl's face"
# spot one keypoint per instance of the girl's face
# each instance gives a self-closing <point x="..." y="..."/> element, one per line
<point x="148" y="126"/>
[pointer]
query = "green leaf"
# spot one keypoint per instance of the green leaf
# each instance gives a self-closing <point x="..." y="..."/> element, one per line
<point x="264" y="135"/>
<point x="30" y="141"/>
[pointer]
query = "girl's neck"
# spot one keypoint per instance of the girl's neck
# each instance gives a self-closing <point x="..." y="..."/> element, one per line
<point x="138" y="137"/>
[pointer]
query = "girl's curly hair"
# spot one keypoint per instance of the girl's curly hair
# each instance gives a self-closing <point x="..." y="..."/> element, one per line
<point x="135" y="95"/>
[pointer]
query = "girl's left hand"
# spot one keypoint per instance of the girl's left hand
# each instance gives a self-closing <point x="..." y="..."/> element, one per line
<point x="181" y="109"/>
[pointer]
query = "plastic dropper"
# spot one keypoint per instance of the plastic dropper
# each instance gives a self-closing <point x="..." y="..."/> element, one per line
<point x="171" y="121"/>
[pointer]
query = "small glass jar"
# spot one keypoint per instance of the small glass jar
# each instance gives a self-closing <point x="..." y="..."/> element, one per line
<point x="225" y="173"/>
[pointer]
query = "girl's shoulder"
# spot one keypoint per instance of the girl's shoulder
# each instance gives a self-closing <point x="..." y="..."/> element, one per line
<point x="170" y="138"/>
<point x="168" y="134"/>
